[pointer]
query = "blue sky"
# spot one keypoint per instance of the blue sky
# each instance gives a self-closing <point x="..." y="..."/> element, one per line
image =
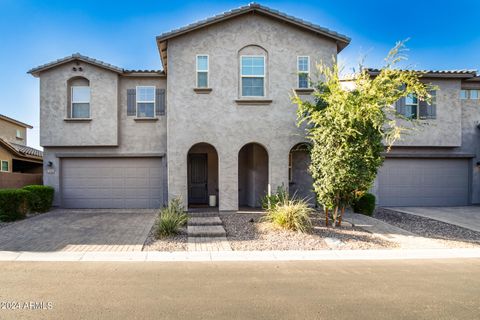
<point x="443" y="34"/>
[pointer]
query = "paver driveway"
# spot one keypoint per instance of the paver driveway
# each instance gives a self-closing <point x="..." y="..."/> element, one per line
<point x="79" y="230"/>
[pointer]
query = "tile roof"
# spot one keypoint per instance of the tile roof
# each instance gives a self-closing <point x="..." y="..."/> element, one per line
<point x="4" y="117"/>
<point x="461" y="73"/>
<point x="29" y="151"/>
<point x="21" y="150"/>
<point x="73" y="57"/>
<point x="344" y="40"/>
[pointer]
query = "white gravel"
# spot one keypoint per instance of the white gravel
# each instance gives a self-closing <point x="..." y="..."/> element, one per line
<point x="176" y="242"/>
<point x="245" y="231"/>
<point x="451" y="236"/>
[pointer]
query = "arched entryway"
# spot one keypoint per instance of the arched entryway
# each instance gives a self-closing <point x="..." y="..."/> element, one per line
<point x="202" y="166"/>
<point x="300" y="181"/>
<point x="252" y="175"/>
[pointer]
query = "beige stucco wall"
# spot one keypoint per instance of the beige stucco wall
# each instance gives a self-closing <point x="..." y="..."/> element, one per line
<point x="6" y="156"/>
<point x="216" y="118"/>
<point x="446" y="129"/>
<point x="101" y="130"/>
<point x="8" y="131"/>
<point x="134" y="137"/>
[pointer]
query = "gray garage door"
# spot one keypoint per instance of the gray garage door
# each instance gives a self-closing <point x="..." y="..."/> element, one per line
<point x="112" y="183"/>
<point x="423" y="182"/>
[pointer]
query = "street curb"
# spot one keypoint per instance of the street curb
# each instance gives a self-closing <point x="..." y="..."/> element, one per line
<point x="186" y="256"/>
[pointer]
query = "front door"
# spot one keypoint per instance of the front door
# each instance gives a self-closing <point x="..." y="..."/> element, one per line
<point x="197" y="178"/>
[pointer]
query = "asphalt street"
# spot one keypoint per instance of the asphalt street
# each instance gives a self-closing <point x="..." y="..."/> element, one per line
<point x="400" y="289"/>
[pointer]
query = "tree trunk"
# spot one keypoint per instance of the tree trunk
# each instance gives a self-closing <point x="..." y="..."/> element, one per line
<point x="339" y="224"/>
<point x="326" y="217"/>
<point x="335" y="217"/>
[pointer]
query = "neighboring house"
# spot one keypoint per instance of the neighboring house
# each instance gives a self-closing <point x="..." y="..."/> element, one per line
<point x="15" y="155"/>
<point x="437" y="163"/>
<point x="217" y="121"/>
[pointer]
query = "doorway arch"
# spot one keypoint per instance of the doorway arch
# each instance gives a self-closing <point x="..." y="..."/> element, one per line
<point x="252" y="175"/>
<point x="202" y="175"/>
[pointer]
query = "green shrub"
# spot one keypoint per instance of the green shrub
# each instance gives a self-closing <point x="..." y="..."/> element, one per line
<point x="13" y="204"/>
<point x="41" y="198"/>
<point x="271" y="201"/>
<point x="292" y="214"/>
<point x="365" y="204"/>
<point x="171" y="219"/>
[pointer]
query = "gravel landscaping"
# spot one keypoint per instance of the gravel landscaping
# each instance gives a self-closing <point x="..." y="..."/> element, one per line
<point x="451" y="235"/>
<point x="173" y="243"/>
<point x="245" y="231"/>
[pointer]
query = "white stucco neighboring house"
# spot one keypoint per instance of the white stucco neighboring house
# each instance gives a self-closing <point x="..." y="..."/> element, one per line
<point x="217" y="122"/>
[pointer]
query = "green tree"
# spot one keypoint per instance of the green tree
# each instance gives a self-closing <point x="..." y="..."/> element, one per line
<point x="351" y="126"/>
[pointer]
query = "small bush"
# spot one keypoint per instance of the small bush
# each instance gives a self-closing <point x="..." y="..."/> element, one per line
<point x="292" y="214"/>
<point x="171" y="219"/>
<point x="41" y="198"/>
<point x="365" y="204"/>
<point x="271" y="201"/>
<point x="13" y="204"/>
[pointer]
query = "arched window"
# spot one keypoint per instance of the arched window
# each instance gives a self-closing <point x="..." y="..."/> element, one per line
<point x="253" y="71"/>
<point x="79" y="98"/>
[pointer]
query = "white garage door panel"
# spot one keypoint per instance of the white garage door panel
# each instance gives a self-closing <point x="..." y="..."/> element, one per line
<point x="423" y="182"/>
<point x="112" y="183"/>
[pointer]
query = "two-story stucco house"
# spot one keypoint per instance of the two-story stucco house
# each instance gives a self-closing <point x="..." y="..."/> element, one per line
<point x="218" y="121"/>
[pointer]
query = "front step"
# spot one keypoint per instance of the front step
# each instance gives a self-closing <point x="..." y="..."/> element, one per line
<point x="204" y="221"/>
<point x="203" y="214"/>
<point x="206" y="231"/>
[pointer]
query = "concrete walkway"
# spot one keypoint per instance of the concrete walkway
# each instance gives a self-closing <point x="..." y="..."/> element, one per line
<point x="309" y="255"/>
<point x="79" y="231"/>
<point x="466" y="217"/>
<point x="405" y="239"/>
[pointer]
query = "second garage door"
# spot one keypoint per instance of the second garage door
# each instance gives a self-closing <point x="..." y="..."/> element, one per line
<point x="112" y="183"/>
<point x="423" y="182"/>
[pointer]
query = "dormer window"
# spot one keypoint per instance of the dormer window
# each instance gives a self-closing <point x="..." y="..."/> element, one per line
<point x="145" y="101"/>
<point x="252" y="69"/>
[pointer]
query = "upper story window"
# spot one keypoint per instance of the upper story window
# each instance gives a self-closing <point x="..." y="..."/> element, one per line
<point x="4" y="166"/>
<point x="411" y="107"/>
<point x="303" y="69"/>
<point x="202" y="71"/>
<point x="252" y="70"/>
<point x="79" y="98"/>
<point x="145" y="101"/>
<point x="19" y="134"/>
<point x="469" y="94"/>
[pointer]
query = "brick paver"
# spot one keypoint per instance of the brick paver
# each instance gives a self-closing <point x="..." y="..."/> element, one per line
<point x="80" y="231"/>
<point x="206" y="233"/>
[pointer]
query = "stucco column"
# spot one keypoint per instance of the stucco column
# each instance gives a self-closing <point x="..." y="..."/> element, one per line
<point x="177" y="176"/>
<point x="228" y="180"/>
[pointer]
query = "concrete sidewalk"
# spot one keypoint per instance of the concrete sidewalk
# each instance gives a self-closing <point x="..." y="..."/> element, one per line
<point x="319" y="255"/>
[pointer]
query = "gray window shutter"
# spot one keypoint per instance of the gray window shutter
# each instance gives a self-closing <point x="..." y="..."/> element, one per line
<point x="400" y="106"/>
<point x="131" y="102"/>
<point x="160" y="102"/>
<point x="423" y="109"/>
<point x="432" y="108"/>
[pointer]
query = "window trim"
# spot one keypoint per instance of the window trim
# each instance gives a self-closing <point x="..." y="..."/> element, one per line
<point x="1" y="165"/>
<point x="197" y="71"/>
<point x="138" y="101"/>
<point x="307" y="72"/>
<point x="254" y="76"/>
<point x="72" y="102"/>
